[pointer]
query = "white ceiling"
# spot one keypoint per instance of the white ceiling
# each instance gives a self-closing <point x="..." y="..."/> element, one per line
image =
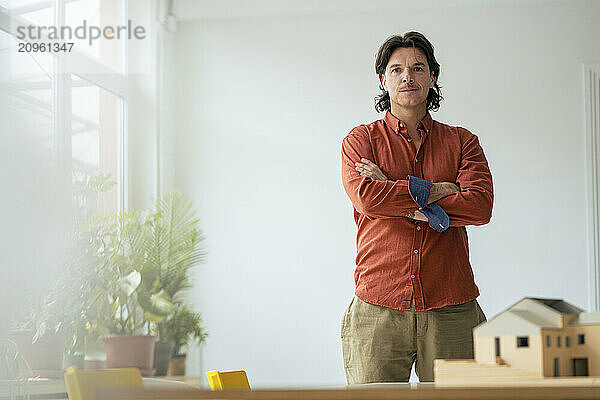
<point x="187" y="10"/>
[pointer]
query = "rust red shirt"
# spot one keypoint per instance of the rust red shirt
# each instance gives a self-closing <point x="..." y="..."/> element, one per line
<point x="398" y="258"/>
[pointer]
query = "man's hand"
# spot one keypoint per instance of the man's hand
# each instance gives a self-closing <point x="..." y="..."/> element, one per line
<point x="438" y="190"/>
<point x="441" y="189"/>
<point x="417" y="215"/>
<point x="370" y="170"/>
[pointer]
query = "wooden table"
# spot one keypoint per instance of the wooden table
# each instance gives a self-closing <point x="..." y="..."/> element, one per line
<point x="372" y="392"/>
<point x="183" y="387"/>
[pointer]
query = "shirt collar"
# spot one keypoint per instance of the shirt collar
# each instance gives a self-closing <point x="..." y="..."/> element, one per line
<point x="399" y="125"/>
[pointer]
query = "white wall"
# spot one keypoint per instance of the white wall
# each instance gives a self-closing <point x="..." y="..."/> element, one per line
<point x="261" y="107"/>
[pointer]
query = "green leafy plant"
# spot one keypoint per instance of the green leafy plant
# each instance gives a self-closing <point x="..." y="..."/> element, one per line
<point x="173" y="246"/>
<point x="182" y="326"/>
<point x="70" y="304"/>
<point x="129" y="304"/>
<point x="128" y="272"/>
<point x="174" y="249"/>
<point x="152" y="252"/>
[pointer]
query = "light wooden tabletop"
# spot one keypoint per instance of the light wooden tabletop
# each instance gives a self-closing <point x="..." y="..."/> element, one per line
<point x="375" y="392"/>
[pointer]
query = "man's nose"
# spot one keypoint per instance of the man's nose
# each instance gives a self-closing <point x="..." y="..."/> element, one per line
<point x="407" y="77"/>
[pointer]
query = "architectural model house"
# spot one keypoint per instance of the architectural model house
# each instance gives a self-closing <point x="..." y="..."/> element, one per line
<point x="544" y="336"/>
<point x="534" y="338"/>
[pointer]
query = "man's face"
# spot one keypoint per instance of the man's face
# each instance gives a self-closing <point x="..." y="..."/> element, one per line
<point x="407" y="78"/>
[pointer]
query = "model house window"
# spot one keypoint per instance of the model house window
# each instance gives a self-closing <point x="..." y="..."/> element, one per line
<point x="523" y="341"/>
<point x="497" y="346"/>
<point x="581" y="338"/>
<point x="567" y="341"/>
<point x="558" y="341"/>
<point x="547" y="340"/>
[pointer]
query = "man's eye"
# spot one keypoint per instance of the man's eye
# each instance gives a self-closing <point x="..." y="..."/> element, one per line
<point x="395" y="69"/>
<point x="418" y="68"/>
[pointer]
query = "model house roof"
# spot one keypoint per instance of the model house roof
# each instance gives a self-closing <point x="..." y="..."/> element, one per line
<point x="529" y="315"/>
<point x="559" y="305"/>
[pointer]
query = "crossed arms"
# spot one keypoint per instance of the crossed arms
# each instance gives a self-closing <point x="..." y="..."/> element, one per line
<point x="467" y="202"/>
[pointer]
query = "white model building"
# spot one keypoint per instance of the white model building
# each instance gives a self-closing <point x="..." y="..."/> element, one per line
<point x="544" y="336"/>
<point x="534" y="338"/>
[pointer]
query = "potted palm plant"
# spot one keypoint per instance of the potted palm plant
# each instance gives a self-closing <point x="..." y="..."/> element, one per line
<point x="181" y="328"/>
<point x="173" y="249"/>
<point x="151" y="253"/>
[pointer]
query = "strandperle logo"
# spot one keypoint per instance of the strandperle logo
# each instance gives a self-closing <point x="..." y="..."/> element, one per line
<point x="83" y="31"/>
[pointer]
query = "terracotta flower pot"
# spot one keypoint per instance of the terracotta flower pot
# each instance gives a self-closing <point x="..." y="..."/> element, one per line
<point x="123" y="351"/>
<point x="177" y="366"/>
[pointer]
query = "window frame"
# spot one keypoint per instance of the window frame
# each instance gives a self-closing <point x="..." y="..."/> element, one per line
<point x="522" y="341"/>
<point x="91" y="70"/>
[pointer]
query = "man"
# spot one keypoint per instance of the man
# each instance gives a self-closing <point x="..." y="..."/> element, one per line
<point x="415" y="183"/>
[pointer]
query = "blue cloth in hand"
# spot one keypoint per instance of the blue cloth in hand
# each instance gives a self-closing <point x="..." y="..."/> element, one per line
<point x="438" y="219"/>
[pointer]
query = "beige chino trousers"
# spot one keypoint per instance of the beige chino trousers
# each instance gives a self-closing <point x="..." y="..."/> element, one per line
<point x="380" y="344"/>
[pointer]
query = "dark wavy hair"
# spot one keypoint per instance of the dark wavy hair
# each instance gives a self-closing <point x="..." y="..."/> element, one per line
<point x="414" y="40"/>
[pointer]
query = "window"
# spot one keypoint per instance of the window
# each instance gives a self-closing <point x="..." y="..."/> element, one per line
<point x="95" y="127"/>
<point x="36" y="12"/>
<point x="77" y="116"/>
<point x="558" y="341"/>
<point x="497" y="346"/>
<point x="581" y="338"/>
<point x="567" y="341"/>
<point x="26" y="93"/>
<point x="99" y="13"/>
<point x="548" y="341"/>
<point x="523" y="341"/>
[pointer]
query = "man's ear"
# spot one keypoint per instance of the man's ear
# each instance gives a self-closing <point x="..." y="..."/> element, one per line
<point x="382" y="81"/>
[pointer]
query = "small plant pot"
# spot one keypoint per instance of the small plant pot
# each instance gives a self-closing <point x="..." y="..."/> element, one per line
<point x="177" y="366"/>
<point x="124" y="351"/>
<point x="163" y="351"/>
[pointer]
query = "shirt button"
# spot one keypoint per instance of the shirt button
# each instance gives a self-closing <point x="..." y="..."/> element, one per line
<point x="416" y="160"/>
<point x="408" y="140"/>
<point x="412" y="277"/>
<point x="416" y="251"/>
<point x="418" y="228"/>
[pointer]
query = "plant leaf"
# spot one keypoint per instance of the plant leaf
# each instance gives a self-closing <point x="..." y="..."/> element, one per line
<point x="162" y="302"/>
<point x="130" y="282"/>
<point x="153" y="317"/>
